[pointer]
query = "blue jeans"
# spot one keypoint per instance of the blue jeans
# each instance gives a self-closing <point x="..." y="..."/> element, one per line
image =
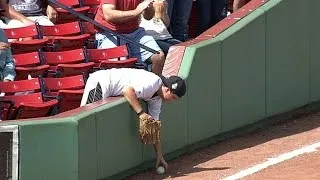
<point x="106" y="40"/>
<point x="210" y="13"/>
<point x="179" y="13"/>
<point x="166" y="43"/>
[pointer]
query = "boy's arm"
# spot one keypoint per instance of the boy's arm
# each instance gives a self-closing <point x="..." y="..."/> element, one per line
<point x="160" y="159"/>
<point x="9" y="73"/>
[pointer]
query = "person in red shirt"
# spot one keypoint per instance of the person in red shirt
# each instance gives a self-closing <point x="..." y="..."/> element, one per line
<point x="123" y="16"/>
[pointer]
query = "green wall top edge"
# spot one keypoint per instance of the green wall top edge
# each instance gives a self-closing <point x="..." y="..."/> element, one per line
<point x="240" y="24"/>
<point x="100" y="108"/>
<point x="40" y="121"/>
<point x="270" y="4"/>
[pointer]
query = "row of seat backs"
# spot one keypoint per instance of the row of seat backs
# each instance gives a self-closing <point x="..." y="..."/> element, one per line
<point x="40" y="97"/>
<point x="54" y="38"/>
<point x="88" y="7"/>
<point x="71" y="62"/>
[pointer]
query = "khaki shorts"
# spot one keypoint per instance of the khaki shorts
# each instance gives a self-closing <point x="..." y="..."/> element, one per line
<point x="13" y="23"/>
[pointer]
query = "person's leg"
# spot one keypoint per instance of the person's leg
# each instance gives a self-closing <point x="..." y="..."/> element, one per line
<point x="237" y="4"/>
<point x="205" y="10"/>
<point x="13" y="23"/>
<point x="170" y="7"/>
<point x="166" y="44"/>
<point x="145" y="56"/>
<point x="179" y="19"/>
<point x="219" y="11"/>
<point x="105" y="40"/>
<point x="42" y="20"/>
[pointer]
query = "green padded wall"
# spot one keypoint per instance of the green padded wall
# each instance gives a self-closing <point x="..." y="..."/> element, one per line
<point x="243" y="72"/>
<point x="204" y="85"/>
<point x="118" y="146"/>
<point x="49" y="150"/>
<point x="87" y="146"/>
<point x="314" y="44"/>
<point x="287" y="64"/>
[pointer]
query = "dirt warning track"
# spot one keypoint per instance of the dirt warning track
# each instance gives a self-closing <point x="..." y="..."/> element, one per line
<point x="288" y="150"/>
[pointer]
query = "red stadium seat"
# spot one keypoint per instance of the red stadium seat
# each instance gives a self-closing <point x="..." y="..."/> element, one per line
<point x="64" y="36"/>
<point x="64" y="16"/>
<point x="23" y="99"/>
<point x="110" y="58"/>
<point x="68" y="63"/>
<point x="68" y="89"/>
<point x="88" y="28"/>
<point x="93" y="4"/>
<point x="27" y="45"/>
<point x="29" y="64"/>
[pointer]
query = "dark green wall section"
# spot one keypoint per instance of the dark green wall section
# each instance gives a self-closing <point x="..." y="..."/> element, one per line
<point x="49" y="150"/>
<point x="243" y="72"/>
<point x="287" y="63"/>
<point x="265" y="64"/>
<point x="313" y="29"/>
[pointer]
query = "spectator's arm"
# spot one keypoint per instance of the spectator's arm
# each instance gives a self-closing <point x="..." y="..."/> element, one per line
<point x="9" y="74"/>
<point x="110" y="14"/>
<point x="13" y="14"/>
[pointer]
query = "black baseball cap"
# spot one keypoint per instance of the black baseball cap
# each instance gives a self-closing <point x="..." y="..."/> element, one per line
<point x="176" y="84"/>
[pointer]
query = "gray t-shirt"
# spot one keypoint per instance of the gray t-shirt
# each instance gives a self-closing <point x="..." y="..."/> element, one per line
<point x="27" y="7"/>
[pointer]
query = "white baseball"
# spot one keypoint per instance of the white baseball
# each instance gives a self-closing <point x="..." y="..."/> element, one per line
<point x="160" y="170"/>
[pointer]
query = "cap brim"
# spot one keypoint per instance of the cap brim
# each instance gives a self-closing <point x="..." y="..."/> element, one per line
<point x="165" y="81"/>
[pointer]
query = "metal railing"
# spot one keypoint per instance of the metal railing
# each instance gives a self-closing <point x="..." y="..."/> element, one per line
<point x="85" y="18"/>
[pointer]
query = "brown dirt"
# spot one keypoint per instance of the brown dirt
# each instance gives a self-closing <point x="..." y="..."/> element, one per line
<point x="230" y="156"/>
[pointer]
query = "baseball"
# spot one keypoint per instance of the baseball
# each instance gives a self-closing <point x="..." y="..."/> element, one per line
<point x="160" y="170"/>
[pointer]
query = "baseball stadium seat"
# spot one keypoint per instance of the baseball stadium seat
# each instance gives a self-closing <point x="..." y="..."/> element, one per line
<point x="27" y="45"/>
<point x="23" y="99"/>
<point x="117" y="57"/>
<point x="93" y="4"/>
<point x="64" y="16"/>
<point x="30" y="63"/>
<point x="68" y="63"/>
<point x="64" y="36"/>
<point x="69" y="91"/>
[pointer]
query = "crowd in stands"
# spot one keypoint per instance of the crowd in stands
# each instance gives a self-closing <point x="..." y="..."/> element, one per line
<point x="157" y="24"/>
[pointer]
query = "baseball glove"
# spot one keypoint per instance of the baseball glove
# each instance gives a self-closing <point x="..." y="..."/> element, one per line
<point x="149" y="130"/>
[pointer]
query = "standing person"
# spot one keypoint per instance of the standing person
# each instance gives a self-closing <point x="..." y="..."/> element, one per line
<point x="211" y="12"/>
<point x="179" y="12"/>
<point x="123" y="16"/>
<point x="157" y="26"/>
<point x="7" y="66"/>
<point x="127" y="82"/>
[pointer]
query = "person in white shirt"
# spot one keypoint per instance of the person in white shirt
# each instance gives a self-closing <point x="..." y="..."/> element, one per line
<point x="157" y="27"/>
<point x="135" y="84"/>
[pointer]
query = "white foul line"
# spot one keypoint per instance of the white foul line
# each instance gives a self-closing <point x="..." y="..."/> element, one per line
<point x="273" y="161"/>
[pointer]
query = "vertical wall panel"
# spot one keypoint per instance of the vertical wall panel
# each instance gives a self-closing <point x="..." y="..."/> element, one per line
<point x="243" y="72"/>
<point x="286" y="55"/>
